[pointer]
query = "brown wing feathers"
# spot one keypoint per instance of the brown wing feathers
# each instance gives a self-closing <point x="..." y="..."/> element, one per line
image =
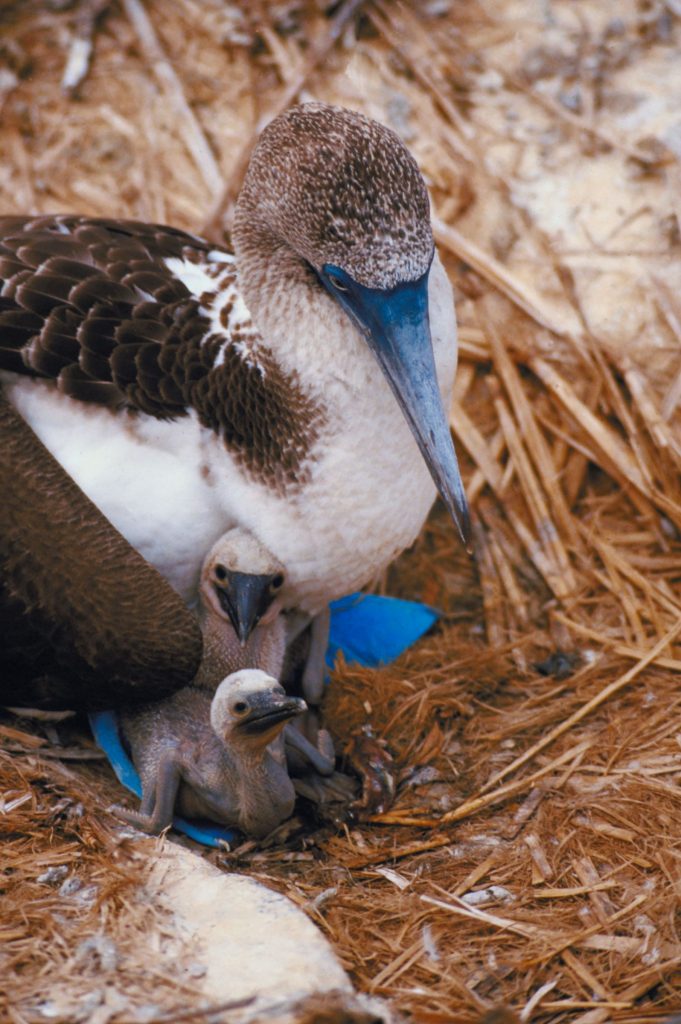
<point x="63" y="304"/>
<point x="91" y="304"/>
<point x="111" y="623"/>
<point x="83" y="300"/>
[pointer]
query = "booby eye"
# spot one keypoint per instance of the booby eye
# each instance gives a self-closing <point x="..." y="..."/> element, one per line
<point x="240" y="708"/>
<point x="277" y="582"/>
<point x="220" y="573"/>
<point x="336" y="278"/>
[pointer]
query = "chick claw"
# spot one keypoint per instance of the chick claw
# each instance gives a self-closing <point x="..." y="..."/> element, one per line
<point x="140" y="821"/>
<point x="370" y="758"/>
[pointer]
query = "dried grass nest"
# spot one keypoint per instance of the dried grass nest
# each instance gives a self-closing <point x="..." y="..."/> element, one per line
<point x="533" y="857"/>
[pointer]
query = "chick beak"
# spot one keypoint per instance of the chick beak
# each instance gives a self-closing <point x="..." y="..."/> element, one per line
<point x="269" y="712"/>
<point x="245" y="598"/>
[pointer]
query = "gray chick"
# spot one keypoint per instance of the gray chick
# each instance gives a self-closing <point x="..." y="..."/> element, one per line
<point x="242" y="583"/>
<point x="240" y="591"/>
<point x="192" y="755"/>
<point x="219" y="758"/>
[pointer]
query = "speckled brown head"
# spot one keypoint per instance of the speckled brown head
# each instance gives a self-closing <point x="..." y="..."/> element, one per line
<point x="340" y="189"/>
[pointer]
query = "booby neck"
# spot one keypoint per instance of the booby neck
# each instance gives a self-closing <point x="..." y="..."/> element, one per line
<point x="308" y="335"/>
<point x="333" y="200"/>
<point x="307" y="332"/>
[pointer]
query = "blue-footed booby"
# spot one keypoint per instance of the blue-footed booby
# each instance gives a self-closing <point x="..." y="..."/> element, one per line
<point x="293" y="386"/>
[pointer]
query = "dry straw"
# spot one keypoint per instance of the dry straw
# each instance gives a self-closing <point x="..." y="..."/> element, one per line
<point x="533" y="857"/>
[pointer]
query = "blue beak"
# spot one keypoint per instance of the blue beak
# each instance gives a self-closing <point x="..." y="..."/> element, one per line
<point x="396" y="326"/>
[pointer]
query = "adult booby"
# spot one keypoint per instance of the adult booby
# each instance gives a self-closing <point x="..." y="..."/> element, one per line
<point x="294" y="386"/>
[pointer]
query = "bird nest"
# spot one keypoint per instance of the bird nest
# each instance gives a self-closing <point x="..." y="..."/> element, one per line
<point x="532" y="859"/>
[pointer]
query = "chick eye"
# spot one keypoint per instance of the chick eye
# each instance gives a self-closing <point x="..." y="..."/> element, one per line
<point x="240" y="707"/>
<point x="277" y="582"/>
<point x="338" y="284"/>
<point x="220" y="572"/>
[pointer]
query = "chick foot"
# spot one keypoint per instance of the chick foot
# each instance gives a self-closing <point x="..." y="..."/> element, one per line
<point x="369" y="757"/>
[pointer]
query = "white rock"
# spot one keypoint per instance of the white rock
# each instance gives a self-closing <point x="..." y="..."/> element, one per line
<point x="254" y="943"/>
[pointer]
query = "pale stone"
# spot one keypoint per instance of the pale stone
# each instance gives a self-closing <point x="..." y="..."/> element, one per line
<point x="253" y="943"/>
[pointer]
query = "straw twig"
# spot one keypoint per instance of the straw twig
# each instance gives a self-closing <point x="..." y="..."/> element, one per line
<point x="404" y="32"/>
<point x="557" y="572"/>
<point x="520" y="294"/>
<point x="529" y="427"/>
<point x="191" y="131"/>
<point x="317" y="52"/>
<point x="595" y="702"/>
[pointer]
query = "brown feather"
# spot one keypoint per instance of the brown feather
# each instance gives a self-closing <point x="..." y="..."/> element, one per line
<point x="98" y="334"/>
<point x="91" y="303"/>
<point x="76" y="597"/>
<point x="72" y="270"/>
<point x="75" y="383"/>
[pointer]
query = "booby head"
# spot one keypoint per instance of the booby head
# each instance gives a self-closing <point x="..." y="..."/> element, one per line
<point x="250" y="708"/>
<point x="243" y="581"/>
<point x="343" y="194"/>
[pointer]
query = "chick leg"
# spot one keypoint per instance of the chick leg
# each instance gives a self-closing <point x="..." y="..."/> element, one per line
<point x="369" y="757"/>
<point x="315" y="664"/>
<point x="321" y="756"/>
<point x="161" y="797"/>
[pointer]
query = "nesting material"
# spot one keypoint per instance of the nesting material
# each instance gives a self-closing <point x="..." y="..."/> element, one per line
<point x="127" y="928"/>
<point x="531" y="860"/>
<point x="83" y="936"/>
